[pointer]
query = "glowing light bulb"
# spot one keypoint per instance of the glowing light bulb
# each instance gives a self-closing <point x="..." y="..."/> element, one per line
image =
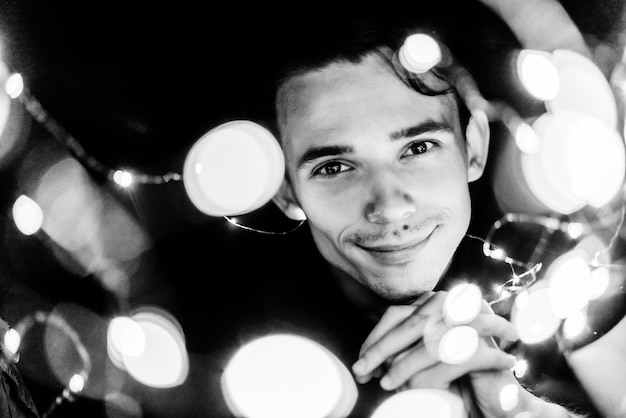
<point x="286" y="376"/>
<point x="419" y="53"/>
<point x="575" y="324"/>
<point x="458" y="344"/>
<point x="123" y="178"/>
<point x="520" y="368"/>
<point x="12" y="341"/>
<point x="533" y="316"/>
<point x="575" y="230"/>
<point x="431" y="403"/>
<point x="599" y="281"/>
<point x="462" y="304"/>
<point x="233" y="169"/>
<point x="14" y="86"/>
<point x="126" y="336"/>
<point x="27" y="215"/>
<point x="527" y="139"/>
<point x="583" y="90"/>
<point x="596" y="172"/>
<point x="164" y="362"/>
<point x="538" y="74"/>
<point x="77" y="383"/>
<point x="509" y="397"/>
<point x="568" y="278"/>
<point x="567" y="173"/>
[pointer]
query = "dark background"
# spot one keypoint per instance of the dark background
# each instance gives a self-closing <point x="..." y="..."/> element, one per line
<point x="137" y="83"/>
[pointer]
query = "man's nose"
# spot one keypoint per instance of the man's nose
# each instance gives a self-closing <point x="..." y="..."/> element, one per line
<point x="390" y="200"/>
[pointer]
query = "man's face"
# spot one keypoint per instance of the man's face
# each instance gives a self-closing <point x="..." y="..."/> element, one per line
<point x="381" y="172"/>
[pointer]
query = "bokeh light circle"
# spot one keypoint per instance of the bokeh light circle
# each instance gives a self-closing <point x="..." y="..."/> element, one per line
<point x="233" y="169"/>
<point x="164" y="361"/>
<point x="583" y="88"/>
<point x="285" y="376"/>
<point x="533" y="315"/>
<point x="421" y="403"/>
<point x="419" y="53"/>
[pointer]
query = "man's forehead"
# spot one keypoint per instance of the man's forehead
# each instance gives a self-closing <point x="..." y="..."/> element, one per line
<point x="372" y="82"/>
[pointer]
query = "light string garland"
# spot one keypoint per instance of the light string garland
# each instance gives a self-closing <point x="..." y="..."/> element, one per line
<point x="516" y="285"/>
<point x="37" y="111"/>
<point x="77" y="382"/>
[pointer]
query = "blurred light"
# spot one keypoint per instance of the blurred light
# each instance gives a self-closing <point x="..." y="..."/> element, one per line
<point x="462" y="304"/>
<point x="419" y="53"/>
<point x="495" y="253"/>
<point x="581" y="161"/>
<point x="93" y="228"/>
<point x="527" y="139"/>
<point x="123" y="178"/>
<point x="5" y="100"/>
<point x="568" y="278"/>
<point x="509" y="397"/>
<point x="126" y="336"/>
<point x="120" y="405"/>
<point x="12" y="341"/>
<point x="584" y="89"/>
<point x="233" y="169"/>
<point x="575" y="230"/>
<point x="27" y="215"/>
<point x="77" y="383"/>
<point x="538" y="74"/>
<point x="286" y="376"/>
<point x="547" y="172"/>
<point x="533" y="316"/>
<point x="574" y="324"/>
<point x="14" y="85"/>
<point x="164" y="362"/>
<point x="596" y="160"/>
<point x="599" y="281"/>
<point x="458" y="344"/>
<point x="520" y="368"/>
<point x="422" y="403"/>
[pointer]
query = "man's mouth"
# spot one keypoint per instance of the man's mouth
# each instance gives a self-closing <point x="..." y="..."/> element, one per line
<point x="397" y="253"/>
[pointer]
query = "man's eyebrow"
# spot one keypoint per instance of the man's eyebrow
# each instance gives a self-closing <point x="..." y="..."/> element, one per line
<point x="318" y="152"/>
<point x="424" y="127"/>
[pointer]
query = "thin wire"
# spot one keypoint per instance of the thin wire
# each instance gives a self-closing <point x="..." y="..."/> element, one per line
<point x="260" y="231"/>
<point x="515" y="284"/>
<point x="37" y="111"/>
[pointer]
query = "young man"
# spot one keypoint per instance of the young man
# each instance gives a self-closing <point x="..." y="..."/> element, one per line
<point x="381" y="171"/>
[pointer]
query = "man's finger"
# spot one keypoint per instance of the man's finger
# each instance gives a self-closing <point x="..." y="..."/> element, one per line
<point x="442" y="374"/>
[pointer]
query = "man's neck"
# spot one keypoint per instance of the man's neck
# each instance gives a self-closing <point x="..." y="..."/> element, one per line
<point x="366" y="301"/>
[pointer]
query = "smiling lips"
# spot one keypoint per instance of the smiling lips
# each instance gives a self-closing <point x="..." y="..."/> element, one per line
<point x="397" y="253"/>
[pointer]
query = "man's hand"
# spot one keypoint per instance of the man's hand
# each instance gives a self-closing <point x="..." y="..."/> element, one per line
<point x="397" y="348"/>
<point x="398" y="345"/>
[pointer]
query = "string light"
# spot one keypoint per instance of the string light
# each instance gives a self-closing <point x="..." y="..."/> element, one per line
<point x="538" y="74"/>
<point x="286" y="375"/>
<point x="533" y="315"/>
<point x="11" y="342"/>
<point x="419" y="53"/>
<point x="27" y="215"/>
<point x="431" y="403"/>
<point x="14" y="85"/>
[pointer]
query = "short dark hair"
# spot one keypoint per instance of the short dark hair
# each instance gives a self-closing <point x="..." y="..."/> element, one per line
<point x="346" y="35"/>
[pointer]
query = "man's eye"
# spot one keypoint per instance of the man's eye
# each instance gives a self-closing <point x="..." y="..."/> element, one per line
<point x="419" y="147"/>
<point x="330" y="169"/>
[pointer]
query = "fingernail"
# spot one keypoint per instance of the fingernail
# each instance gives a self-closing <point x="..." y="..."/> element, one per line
<point x="512" y="360"/>
<point x="359" y="367"/>
<point x="362" y="379"/>
<point x="385" y="382"/>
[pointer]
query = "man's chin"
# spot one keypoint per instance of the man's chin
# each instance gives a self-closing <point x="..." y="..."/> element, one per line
<point x="405" y="298"/>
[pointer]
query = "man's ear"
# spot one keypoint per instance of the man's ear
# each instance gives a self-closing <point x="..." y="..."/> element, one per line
<point x="286" y="201"/>
<point x="477" y="142"/>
